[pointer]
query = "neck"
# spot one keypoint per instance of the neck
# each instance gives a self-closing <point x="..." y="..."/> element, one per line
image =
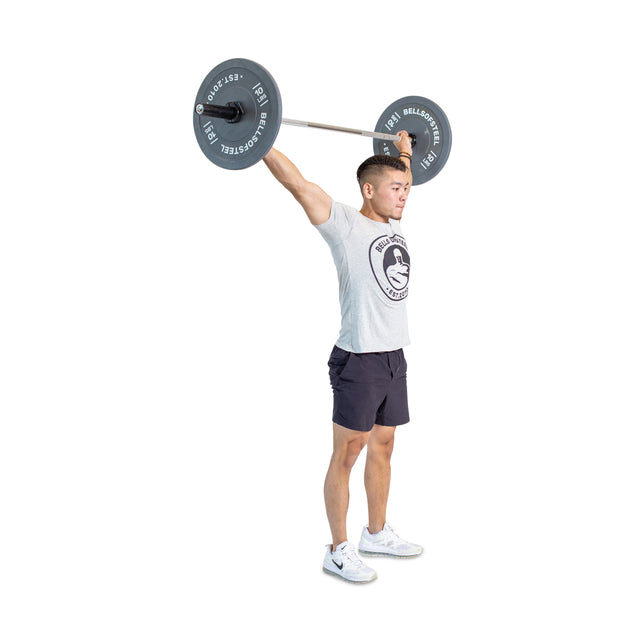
<point x="372" y="214"/>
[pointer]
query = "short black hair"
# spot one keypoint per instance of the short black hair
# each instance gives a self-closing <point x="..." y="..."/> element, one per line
<point x="375" y="165"/>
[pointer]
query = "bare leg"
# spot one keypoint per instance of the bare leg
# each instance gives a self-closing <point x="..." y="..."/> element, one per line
<point x="377" y="475"/>
<point x="347" y="445"/>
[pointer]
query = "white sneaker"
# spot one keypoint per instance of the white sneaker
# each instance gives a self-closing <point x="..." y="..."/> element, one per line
<point x="345" y="563"/>
<point x="387" y="543"/>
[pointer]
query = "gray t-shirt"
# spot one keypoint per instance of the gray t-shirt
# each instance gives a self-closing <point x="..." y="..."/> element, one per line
<point x="373" y="273"/>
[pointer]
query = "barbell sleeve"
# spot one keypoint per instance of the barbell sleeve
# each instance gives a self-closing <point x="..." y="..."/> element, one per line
<point x="231" y="112"/>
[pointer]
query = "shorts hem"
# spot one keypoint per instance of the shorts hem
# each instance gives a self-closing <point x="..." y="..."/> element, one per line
<point x="399" y="423"/>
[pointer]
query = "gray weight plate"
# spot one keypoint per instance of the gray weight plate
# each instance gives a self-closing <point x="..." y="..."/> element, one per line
<point x="428" y="122"/>
<point x="238" y="145"/>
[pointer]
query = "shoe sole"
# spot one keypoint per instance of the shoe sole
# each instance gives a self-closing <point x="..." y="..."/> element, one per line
<point x="381" y="554"/>
<point x="337" y="575"/>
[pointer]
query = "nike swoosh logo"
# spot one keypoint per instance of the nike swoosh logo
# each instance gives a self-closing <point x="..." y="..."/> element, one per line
<point x="337" y="565"/>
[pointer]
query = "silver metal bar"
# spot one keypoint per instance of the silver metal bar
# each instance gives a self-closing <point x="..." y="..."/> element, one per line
<point x="330" y="127"/>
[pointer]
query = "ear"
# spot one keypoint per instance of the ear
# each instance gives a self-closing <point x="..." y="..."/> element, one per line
<point x="367" y="190"/>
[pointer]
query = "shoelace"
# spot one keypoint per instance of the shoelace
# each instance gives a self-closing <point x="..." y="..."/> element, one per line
<point x="391" y="533"/>
<point x="350" y="554"/>
<point x="389" y="536"/>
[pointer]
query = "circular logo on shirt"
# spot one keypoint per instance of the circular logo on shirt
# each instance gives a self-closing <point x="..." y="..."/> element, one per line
<point x="390" y="264"/>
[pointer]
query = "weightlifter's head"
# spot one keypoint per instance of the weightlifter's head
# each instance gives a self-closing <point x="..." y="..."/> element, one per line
<point x="384" y="184"/>
<point x="374" y="167"/>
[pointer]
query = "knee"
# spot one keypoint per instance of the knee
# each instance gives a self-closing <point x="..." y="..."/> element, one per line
<point x="381" y="449"/>
<point x="355" y="448"/>
<point x="349" y="453"/>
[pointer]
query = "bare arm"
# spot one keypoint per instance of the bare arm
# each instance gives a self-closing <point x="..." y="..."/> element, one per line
<point x="404" y="146"/>
<point x="315" y="202"/>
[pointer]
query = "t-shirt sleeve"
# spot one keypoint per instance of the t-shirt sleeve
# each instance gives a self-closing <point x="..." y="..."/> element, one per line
<point x="339" y="224"/>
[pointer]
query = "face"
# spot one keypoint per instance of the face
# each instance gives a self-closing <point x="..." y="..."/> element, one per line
<point x="387" y="197"/>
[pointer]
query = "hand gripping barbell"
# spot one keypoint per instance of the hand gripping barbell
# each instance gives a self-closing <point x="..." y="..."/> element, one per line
<point x="238" y="113"/>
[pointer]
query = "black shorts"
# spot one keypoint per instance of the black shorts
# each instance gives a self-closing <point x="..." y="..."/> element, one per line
<point x="368" y="389"/>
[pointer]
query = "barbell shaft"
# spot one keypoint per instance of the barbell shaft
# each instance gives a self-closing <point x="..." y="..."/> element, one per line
<point x="316" y="125"/>
<point x="231" y="113"/>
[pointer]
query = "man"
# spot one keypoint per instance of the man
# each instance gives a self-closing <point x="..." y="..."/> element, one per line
<point x="367" y="368"/>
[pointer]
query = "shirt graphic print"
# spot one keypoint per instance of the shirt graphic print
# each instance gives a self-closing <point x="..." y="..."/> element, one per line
<point x="391" y="264"/>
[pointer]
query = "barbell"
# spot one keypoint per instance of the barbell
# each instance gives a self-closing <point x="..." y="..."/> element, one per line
<point x="238" y="113"/>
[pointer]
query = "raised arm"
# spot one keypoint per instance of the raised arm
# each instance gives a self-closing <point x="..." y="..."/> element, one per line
<point x="315" y="202"/>
<point x="406" y="151"/>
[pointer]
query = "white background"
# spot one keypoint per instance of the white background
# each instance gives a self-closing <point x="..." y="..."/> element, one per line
<point x="166" y="325"/>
